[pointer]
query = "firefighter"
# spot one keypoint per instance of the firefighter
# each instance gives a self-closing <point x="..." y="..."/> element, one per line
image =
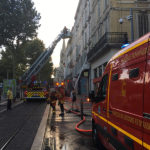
<point x="65" y="30"/>
<point x="9" y="98"/>
<point x="53" y="100"/>
<point x="60" y="97"/>
<point x="73" y="97"/>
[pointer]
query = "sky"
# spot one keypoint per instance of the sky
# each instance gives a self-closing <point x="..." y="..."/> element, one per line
<point x="55" y="14"/>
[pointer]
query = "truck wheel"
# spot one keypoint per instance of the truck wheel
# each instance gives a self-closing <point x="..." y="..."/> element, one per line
<point x="94" y="135"/>
<point x="95" y="138"/>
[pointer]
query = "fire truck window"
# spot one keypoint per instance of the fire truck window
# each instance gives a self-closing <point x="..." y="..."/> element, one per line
<point x="103" y="87"/>
<point x="115" y="77"/>
<point x="134" y="73"/>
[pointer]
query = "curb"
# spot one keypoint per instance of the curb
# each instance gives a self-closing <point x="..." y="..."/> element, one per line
<point x="38" y="140"/>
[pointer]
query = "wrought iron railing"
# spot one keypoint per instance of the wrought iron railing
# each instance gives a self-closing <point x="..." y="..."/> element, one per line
<point x="108" y="37"/>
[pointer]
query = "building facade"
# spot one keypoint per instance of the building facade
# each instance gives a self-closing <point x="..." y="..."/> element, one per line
<point x="60" y="71"/>
<point x="113" y="23"/>
<point x="101" y="27"/>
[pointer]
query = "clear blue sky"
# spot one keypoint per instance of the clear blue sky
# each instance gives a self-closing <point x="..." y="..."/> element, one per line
<point x="55" y="14"/>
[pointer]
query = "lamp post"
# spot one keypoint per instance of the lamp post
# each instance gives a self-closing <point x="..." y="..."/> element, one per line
<point x="132" y="29"/>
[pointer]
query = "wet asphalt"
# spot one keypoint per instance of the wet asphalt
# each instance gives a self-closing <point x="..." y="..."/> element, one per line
<point x="61" y="133"/>
<point x="20" y="124"/>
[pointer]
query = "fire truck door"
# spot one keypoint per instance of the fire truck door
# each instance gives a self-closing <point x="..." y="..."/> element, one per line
<point x="146" y="111"/>
<point x="102" y="109"/>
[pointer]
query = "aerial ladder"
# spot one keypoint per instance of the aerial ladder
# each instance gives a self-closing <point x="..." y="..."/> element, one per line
<point x="43" y="58"/>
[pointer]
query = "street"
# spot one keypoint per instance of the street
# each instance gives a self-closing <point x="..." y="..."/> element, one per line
<point x="18" y="126"/>
<point x="61" y="133"/>
<point x="90" y="59"/>
<point x="3" y="104"/>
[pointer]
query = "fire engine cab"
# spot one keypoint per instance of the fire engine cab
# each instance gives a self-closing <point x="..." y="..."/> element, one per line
<point x="121" y="110"/>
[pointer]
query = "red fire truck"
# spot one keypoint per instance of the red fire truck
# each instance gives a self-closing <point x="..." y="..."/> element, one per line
<point x="121" y="111"/>
<point x="37" y="90"/>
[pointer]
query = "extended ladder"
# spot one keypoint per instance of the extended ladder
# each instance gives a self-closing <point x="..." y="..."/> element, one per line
<point x="83" y="67"/>
<point x="44" y="57"/>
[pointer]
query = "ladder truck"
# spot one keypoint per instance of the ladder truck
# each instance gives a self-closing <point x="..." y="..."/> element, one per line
<point x="36" y="91"/>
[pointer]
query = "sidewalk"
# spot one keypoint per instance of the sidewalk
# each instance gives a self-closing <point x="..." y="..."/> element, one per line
<point x="61" y="133"/>
<point x="3" y="104"/>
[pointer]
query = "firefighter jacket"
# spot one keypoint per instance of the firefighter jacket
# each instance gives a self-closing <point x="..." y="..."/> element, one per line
<point x="60" y="97"/>
<point x="53" y="98"/>
<point x="9" y="94"/>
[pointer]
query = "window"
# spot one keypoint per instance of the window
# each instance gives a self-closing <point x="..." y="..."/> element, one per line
<point x="143" y="24"/>
<point x="103" y="87"/>
<point x="115" y="77"/>
<point x="134" y="73"/>
<point x="95" y="73"/>
<point x="99" y="8"/>
<point x="104" y="65"/>
<point x="85" y="37"/>
<point x="100" y="71"/>
<point x="105" y="4"/>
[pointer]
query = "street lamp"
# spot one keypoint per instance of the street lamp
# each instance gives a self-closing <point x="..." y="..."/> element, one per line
<point x="130" y="18"/>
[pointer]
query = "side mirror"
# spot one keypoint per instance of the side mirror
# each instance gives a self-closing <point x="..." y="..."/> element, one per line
<point x="97" y="99"/>
<point x="91" y="95"/>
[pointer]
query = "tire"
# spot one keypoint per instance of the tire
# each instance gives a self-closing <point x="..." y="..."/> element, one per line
<point x="94" y="134"/>
<point x="95" y="137"/>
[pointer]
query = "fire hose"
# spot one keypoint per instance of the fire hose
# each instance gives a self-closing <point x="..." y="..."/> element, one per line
<point x="80" y="122"/>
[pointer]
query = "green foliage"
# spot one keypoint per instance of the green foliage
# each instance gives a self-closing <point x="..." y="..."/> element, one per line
<point x="33" y="49"/>
<point x="18" y="21"/>
<point x="46" y="72"/>
<point x="26" y="54"/>
<point x="5" y="65"/>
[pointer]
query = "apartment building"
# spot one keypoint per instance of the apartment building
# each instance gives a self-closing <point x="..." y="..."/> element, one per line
<point x="60" y="71"/>
<point x="114" y="23"/>
<point x="77" y="49"/>
<point x="101" y="27"/>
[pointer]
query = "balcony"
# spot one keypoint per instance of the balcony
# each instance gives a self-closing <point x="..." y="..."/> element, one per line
<point x="107" y="41"/>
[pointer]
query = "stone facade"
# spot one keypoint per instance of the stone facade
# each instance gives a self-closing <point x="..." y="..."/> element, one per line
<point x="101" y="27"/>
<point x="60" y="71"/>
<point x="112" y="26"/>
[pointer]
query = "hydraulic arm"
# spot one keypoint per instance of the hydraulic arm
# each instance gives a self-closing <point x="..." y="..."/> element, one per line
<point x="44" y="57"/>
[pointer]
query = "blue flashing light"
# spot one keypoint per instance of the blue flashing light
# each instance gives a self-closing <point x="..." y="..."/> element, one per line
<point x="125" y="45"/>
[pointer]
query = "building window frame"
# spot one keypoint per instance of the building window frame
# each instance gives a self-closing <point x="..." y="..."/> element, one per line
<point x="143" y="23"/>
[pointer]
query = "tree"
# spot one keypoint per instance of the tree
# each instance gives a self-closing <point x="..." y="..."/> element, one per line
<point x="33" y="49"/>
<point x="19" y="21"/>
<point x="5" y="65"/>
<point x="27" y="53"/>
